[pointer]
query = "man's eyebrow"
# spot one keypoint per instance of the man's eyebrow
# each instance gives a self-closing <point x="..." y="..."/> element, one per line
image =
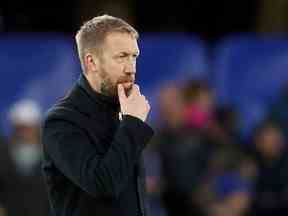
<point x="137" y="53"/>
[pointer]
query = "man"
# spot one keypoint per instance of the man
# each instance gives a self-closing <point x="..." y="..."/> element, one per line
<point x="94" y="137"/>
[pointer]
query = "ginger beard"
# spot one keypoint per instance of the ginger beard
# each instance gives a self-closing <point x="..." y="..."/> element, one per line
<point x="110" y="88"/>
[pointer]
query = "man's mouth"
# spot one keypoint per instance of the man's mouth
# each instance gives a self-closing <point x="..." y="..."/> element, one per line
<point x="127" y="84"/>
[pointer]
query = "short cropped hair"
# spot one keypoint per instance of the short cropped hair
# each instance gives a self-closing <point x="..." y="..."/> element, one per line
<point x="92" y="34"/>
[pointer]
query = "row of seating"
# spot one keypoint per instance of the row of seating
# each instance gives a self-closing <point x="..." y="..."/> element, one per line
<point x="246" y="71"/>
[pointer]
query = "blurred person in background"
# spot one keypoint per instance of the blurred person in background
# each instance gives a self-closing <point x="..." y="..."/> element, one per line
<point x="22" y="188"/>
<point x="227" y="162"/>
<point x="171" y="106"/>
<point x="161" y="147"/>
<point x="94" y="137"/>
<point x="229" y="153"/>
<point x="278" y="112"/>
<point x="220" y="151"/>
<point x="223" y="129"/>
<point x="25" y="117"/>
<point x="219" y="124"/>
<point x="199" y="104"/>
<point x="168" y="136"/>
<point x="183" y="150"/>
<point x="271" y="190"/>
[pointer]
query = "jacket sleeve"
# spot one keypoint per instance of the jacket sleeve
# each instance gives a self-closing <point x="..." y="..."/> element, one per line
<point x="99" y="174"/>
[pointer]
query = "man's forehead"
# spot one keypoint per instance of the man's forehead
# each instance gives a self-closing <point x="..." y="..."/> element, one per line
<point x="118" y="41"/>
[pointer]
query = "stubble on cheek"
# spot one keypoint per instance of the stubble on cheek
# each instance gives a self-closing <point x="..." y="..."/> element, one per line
<point x="109" y="89"/>
<point x="104" y="88"/>
<point x="106" y="85"/>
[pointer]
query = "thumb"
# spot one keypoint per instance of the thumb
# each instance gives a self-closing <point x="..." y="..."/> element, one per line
<point x="121" y="92"/>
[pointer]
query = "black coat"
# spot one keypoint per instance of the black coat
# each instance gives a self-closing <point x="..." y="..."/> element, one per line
<point x="92" y="160"/>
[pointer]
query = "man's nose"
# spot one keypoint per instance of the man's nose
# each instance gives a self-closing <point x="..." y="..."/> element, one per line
<point x="130" y="67"/>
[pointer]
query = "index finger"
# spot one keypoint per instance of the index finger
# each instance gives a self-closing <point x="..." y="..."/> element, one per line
<point x="121" y="92"/>
<point x="135" y="90"/>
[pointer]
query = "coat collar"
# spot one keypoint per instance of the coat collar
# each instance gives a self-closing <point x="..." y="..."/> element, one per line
<point x="95" y="99"/>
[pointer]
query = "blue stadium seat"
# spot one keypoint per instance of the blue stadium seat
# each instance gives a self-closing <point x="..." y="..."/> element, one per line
<point x="36" y="66"/>
<point x="249" y="72"/>
<point x="167" y="57"/>
<point x="174" y="56"/>
<point x="44" y="66"/>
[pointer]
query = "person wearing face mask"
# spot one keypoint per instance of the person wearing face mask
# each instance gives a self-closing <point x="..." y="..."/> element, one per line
<point x="24" y="152"/>
<point x="25" y="117"/>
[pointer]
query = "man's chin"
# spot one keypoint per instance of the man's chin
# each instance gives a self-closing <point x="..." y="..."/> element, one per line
<point x="127" y="85"/>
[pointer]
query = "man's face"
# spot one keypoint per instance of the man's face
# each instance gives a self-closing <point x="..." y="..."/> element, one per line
<point x="270" y="142"/>
<point x="117" y="63"/>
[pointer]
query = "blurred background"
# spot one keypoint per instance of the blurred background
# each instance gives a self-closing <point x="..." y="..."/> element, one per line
<point x="215" y="73"/>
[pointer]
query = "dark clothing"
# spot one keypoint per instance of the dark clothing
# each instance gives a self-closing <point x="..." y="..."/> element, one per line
<point x="279" y="114"/>
<point x="92" y="160"/>
<point x="271" y="191"/>
<point x="184" y="159"/>
<point x="23" y="195"/>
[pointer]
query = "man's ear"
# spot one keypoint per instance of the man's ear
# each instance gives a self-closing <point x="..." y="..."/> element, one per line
<point x="91" y="62"/>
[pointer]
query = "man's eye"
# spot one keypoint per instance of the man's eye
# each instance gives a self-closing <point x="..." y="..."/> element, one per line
<point x="122" y="56"/>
